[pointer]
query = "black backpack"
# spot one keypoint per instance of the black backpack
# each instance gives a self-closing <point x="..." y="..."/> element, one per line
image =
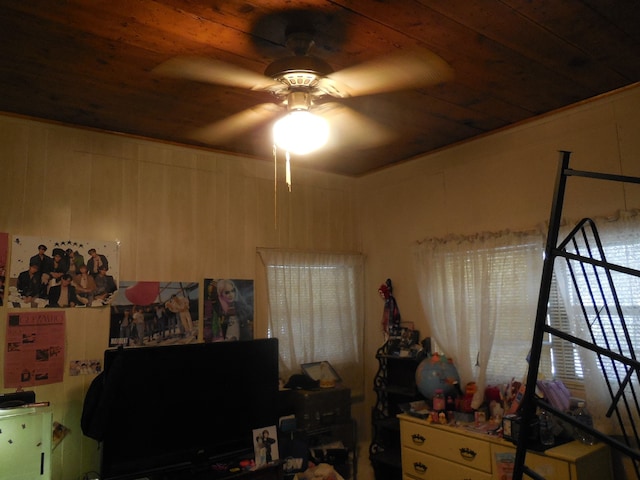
<point x="95" y="409"/>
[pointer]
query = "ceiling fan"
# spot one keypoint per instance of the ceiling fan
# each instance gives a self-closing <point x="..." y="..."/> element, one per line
<point x="306" y="89"/>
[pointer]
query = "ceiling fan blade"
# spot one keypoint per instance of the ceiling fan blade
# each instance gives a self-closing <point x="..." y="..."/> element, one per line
<point x="421" y="68"/>
<point x="214" y="71"/>
<point x="230" y="127"/>
<point x="352" y="129"/>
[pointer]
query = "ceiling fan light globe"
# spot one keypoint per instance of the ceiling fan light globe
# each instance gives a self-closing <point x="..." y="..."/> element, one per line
<point x="300" y="132"/>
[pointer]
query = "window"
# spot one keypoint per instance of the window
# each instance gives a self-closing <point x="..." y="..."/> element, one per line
<point x="515" y="310"/>
<point x="565" y="359"/>
<point x="621" y="246"/>
<point x="480" y="294"/>
<point x="316" y="310"/>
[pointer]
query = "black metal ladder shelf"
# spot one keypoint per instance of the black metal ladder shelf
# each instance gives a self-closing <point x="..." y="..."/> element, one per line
<point x="609" y="336"/>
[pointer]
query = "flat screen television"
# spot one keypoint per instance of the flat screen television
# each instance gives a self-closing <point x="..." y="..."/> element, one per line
<point x="186" y="406"/>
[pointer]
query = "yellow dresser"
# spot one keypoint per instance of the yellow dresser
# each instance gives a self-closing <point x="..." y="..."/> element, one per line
<point x="431" y="451"/>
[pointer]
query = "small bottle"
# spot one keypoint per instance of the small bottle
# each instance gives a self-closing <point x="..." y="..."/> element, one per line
<point x="545" y="425"/>
<point x="450" y="404"/>
<point x="467" y="399"/>
<point x="582" y="415"/>
<point x="438" y="400"/>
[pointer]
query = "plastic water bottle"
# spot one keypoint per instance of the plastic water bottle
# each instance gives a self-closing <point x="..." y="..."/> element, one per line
<point x="545" y="425"/>
<point x="582" y="415"/>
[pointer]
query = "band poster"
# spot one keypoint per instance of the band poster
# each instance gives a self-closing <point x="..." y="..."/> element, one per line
<point x="61" y="272"/>
<point x="154" y="313"/>
<point x="34" y="349"/>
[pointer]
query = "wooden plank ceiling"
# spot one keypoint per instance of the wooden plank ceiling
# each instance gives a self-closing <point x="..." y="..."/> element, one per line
<point x="90" y="63"/>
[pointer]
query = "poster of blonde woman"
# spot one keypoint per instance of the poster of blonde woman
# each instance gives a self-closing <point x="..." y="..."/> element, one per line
<point x="228" y="310"/>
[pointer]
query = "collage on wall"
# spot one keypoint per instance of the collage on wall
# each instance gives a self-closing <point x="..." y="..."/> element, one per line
<point x="34" y="349"/>
<point x="227" y="309"/>
<point x="48" y="272"/>
<point x="55" y="272"/>
<point x="154" y="313"/>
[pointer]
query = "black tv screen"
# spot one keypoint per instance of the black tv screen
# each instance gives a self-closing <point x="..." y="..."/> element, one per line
<point x="173" y="407"/>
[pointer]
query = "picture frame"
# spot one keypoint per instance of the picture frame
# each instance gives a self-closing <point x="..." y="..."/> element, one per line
<point x="402" y="339"/>
<point x="320" y="370"/>
<point x="266" y="445"/>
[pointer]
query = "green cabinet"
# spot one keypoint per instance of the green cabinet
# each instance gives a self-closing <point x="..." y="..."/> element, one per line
<point x="25" y="443"/>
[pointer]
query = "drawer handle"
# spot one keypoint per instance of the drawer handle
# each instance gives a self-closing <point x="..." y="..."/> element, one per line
<point x="467" y="454"/>
<point x="419" y="467"/>
<point x="417" y="439"/>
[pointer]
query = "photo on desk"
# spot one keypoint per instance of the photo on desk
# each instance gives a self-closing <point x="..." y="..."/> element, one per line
<point x="265" y="445"/>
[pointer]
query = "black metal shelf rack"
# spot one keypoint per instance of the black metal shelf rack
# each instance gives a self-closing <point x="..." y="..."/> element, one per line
<point x="394" y="384"/>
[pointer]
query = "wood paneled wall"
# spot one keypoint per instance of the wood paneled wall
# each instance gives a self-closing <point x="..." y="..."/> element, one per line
<point x="179" y="214"/>
<point x="501" y="181"/>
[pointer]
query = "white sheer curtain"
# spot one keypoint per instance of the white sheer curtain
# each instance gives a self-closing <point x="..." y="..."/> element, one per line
<point x="479" y="294"/>
<point x="316" y="310"/>
<point x="620" y="236"/>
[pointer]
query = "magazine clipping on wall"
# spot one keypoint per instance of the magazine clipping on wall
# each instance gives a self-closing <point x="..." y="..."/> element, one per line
<point x="35" y="349"/>
<point x="228" y="310"/>
<point x="62" y="272"/>
<point x="154" y="313"/>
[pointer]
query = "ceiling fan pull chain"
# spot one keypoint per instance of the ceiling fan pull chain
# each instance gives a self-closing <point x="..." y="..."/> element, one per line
<point x="275" y="186"/>
<point x="288" y="170"/>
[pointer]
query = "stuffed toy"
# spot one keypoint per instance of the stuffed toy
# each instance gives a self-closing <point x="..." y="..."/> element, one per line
<point x="322" y="471"/>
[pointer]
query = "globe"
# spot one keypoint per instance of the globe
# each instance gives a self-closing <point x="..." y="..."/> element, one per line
<point x="437" y="372"/>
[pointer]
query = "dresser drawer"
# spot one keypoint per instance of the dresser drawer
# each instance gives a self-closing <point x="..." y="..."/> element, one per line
<point x="417" y="465"/>
<point x="549" y="468"/>
<point x="461" y="449"/>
